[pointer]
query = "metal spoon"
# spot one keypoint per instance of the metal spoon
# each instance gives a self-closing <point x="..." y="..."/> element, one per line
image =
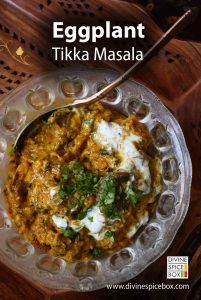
<point x="166" y="37"/>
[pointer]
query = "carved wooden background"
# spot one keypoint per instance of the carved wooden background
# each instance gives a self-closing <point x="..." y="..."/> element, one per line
<point x="174" y="75"/>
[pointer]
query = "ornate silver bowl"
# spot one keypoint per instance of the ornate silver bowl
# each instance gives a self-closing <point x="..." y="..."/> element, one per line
<point x="50" y="90"/>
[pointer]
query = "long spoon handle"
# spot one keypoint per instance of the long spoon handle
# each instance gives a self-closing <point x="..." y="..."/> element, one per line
<point x="166" y="37"/>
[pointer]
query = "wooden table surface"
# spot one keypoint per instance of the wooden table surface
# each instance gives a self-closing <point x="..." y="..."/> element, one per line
<point x="174" y="75"/>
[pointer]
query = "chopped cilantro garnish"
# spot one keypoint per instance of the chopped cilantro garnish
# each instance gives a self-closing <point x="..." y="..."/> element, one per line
<point x="108" y="195"/>
<point x="62" y="194"/>
<point x="77" y="169"/>
<point x="77" y="180"/>
<point x="111" y="211"/>
<point x="69" y="232"/>
<point x="65" y="172"/>
<point x="133" y="196"/>
<point x="77" y="184"/>
<point x="96" y="252"/>
<point x="82" y="215"/>
<point x="107" y="190"/>
<point x="110" y="235"/>
<point x="91" y="219"/>
<point x="88" y="122"/>
<point x="65" y="191"/>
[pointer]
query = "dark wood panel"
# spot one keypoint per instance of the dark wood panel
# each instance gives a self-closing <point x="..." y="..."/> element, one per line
<point x="174" y="74"/>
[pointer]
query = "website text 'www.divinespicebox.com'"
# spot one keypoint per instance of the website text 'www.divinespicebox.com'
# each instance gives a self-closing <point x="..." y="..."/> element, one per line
<point x="148" y="286"/>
